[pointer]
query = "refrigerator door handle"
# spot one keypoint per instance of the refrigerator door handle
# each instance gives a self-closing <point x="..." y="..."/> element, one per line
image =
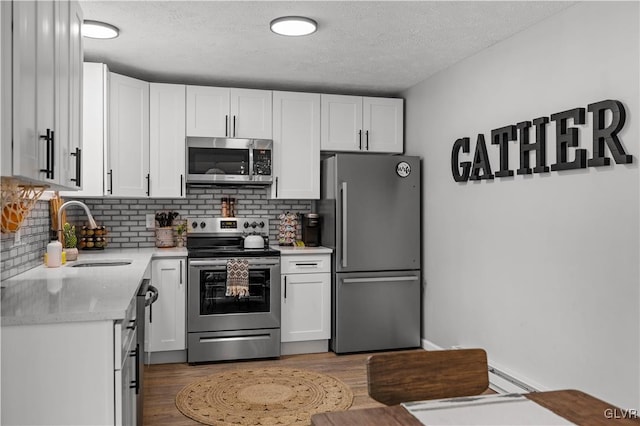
<point x="344" y="224"/>
<point x="379" y="279"/>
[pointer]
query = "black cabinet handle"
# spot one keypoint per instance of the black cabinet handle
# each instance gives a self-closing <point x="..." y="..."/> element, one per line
<point x="181" y="272"/>
<point x="234" y="126"/>
<point x="226" y="125"/>
<point x="110" y="189"/>
<point x="48" y="140"/>
<point x="53" y="155"/>
<point x="360" y="139"/>
<point x="132" y="325"/>
<point x="78" y="155"/>
<point x="137" y="381"/>
<point x="181" y="184"/>
<point x="276" y="187"/>
<point x="148" y="184"/>
<point x="285" y="286"/>
<point x="367" y="134"/>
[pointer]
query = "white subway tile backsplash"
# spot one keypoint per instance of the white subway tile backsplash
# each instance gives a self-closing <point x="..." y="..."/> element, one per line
<point x="125" y="220"/>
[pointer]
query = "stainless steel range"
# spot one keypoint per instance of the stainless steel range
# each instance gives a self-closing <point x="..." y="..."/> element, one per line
<point x="233" y="292"/>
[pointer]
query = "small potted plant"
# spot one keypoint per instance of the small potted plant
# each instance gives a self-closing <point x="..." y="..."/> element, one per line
<point x="181" y="229"/>
<point x="70" y="241"/>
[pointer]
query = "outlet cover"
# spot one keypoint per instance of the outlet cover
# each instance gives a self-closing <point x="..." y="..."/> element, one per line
<point x="151" y="221"/>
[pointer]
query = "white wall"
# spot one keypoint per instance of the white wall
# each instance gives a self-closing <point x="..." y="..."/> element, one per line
<point x="540" y="271"/>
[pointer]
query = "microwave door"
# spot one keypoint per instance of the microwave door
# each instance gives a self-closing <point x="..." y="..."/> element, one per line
<point x="225" y="160"/>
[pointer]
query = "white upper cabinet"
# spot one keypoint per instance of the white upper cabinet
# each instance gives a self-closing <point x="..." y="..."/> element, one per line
<point x="68" y="89"/>
<point x="251" y="114"/>
<point x="167" y="140"/>
<point x="382" y="121"/>
<point x="128" y="144"/>
<point x="341" y="128"/>
<point x="47" y="51"/>
<point x="296" y="145"/>
<point x="225" y="112"/>
<point x="207" y="111"/>
<point x="95" y="79"/>
<point x="362" y="124"/>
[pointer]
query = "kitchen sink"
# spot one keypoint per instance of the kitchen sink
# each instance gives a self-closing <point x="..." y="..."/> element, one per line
<point x="94" y="263"/>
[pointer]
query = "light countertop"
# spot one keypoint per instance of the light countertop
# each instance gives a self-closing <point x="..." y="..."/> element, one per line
<point x="66" y="294"/>
<point x="288" y="250"/>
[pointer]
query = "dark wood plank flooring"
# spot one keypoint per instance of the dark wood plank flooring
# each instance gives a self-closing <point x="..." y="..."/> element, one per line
<point x="163" y="381"/>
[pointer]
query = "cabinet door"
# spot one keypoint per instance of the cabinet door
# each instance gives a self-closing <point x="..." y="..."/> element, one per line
<point x="68" y="92"/>
<point x="251" y="114"/>
<point x="341" y="126"/>
<point x="306" y="307"/>
<point x="76" y="56"/>
<point x="383" y="125"/>
<point x="129" y="136"/>
<point x="33" y="79"/>
<point x="296" y="145"/>
<point x="6" y="63"/>
<point x="62" y="113"/>
<point x="208" y="111"/>
<point x="167" y="140"/>
<point x="167" y="324"/>
<point x="93" y="130"/>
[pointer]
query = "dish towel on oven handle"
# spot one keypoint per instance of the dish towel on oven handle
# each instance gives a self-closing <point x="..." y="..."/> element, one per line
<point x="237" y="278"/>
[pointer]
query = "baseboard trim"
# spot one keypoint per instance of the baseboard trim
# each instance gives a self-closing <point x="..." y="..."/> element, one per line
<point x="501" y="380"/>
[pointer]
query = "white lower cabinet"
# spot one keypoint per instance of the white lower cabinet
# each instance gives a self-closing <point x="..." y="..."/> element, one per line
<point x="166" y="317"/>
<point x="306" y="303"/>
<point x="77" y="373"/>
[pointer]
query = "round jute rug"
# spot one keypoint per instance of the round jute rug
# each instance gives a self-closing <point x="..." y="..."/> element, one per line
<point x="262" y="396"/>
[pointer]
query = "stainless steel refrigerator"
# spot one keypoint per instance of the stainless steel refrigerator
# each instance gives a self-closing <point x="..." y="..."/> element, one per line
<point x="370" y="209"/>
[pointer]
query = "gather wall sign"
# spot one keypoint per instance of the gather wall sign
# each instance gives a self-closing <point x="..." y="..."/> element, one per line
<point x="566" y="137"/>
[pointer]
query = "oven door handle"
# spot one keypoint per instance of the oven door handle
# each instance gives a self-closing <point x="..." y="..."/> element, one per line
<point x="222" y="264"/>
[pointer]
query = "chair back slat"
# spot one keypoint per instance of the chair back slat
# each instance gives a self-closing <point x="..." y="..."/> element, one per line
<point x="413" y="376"/>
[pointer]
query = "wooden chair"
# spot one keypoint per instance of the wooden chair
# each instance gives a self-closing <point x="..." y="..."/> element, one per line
<point x="414" y="376"/>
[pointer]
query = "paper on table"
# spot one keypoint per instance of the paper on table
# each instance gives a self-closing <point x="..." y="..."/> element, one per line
<point x="501" y="409"/>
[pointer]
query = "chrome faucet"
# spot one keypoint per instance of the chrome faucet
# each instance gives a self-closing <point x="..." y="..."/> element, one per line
<point x="92" y="222"/>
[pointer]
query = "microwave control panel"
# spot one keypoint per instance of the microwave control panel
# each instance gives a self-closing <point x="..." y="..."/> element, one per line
<point x="262" y="162"/>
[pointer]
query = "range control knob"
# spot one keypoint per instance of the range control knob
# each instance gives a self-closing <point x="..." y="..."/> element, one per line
<point x="261" y="224"/>
<point x="246" y="224"/>
<point x="254" y="224"/>
<point x="194" y="224"/>
<point x="202" y="224"/>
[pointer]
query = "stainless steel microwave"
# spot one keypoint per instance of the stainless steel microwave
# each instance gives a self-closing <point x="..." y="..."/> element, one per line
<point x="229" y="161"/>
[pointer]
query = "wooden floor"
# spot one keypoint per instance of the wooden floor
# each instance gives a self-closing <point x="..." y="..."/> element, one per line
<point x="163" y="381"/>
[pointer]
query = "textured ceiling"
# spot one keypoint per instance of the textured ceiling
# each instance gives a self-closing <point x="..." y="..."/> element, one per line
<point x="361" y="47"/>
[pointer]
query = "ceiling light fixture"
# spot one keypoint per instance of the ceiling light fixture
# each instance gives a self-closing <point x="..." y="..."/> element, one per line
<point x="294" y="26"/>
<point x="97" y="29"/>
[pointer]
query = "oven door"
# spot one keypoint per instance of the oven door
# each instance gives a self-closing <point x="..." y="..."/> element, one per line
<point x="209" y="309"/>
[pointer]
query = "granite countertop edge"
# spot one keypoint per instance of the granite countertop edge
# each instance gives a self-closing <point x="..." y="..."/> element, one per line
<point x="69" y="294"/>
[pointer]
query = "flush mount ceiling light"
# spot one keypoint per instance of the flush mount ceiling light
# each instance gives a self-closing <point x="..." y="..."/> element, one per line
<point x="97" y="29"/>
<point x="294" y="26"/>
